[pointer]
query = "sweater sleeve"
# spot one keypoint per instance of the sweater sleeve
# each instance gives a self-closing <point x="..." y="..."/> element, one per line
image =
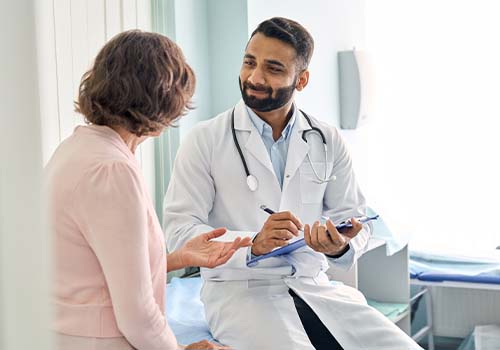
<point x="111" y="208"/>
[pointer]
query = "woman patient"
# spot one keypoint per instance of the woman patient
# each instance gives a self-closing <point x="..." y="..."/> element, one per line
<point x="109" y="251"/>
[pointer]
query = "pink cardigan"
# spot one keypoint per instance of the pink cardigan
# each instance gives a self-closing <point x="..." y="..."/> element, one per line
<point x="109" y="249"/>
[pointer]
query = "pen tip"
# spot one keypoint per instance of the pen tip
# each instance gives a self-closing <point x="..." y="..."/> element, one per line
<point x="263" y="206"/>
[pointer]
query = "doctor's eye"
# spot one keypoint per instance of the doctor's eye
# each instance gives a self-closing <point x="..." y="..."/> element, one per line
<point x="248" y="63"/>
<point x="275" y="70"/>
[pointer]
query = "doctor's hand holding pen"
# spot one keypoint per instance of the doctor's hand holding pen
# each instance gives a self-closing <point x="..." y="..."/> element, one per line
<point x="328" y="240"/>
<point x="278" y="229"/>
<point x="202" y="251"/>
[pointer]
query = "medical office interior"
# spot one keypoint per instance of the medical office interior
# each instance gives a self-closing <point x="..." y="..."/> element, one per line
<point x="412" y="85"/>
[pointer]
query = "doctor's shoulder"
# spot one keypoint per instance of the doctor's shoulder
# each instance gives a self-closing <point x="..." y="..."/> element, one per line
<point x="330" y="131"/>
<point x="333" y="137"/>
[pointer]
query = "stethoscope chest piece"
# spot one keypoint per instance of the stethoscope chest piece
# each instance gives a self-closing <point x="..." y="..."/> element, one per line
<point x="252" y="183"/>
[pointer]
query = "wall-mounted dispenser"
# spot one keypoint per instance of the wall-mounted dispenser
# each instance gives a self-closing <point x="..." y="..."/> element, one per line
<point x="354" y="82"/>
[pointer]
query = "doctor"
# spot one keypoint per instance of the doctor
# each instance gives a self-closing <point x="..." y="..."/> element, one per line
<point x="265" y="151"/>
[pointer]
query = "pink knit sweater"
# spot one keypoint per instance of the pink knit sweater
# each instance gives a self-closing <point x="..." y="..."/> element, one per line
<point x="109" y="250"/>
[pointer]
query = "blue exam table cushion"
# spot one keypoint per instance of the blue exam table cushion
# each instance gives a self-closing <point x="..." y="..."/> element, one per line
<point x="433" y="270"/>
<point x="185" y="311"/>
<point x="488" y="278"/>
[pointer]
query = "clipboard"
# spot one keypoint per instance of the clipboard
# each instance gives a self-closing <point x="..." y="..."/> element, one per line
<point x="301" y="242"/>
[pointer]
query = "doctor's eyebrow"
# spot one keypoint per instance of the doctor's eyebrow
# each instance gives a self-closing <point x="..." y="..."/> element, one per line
<point x="275" y="63"/>
<point x="270" y="62"/>
<point x="247" y="55"/>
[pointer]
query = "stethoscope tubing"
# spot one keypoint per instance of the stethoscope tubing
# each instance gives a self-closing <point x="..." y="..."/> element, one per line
<point x="252" y="181"/>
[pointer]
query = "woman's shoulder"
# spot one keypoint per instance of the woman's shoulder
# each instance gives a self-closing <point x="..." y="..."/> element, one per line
<point x="85" y="157"/>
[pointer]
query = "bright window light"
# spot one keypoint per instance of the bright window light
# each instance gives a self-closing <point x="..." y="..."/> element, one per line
<point x="429" y="156"/>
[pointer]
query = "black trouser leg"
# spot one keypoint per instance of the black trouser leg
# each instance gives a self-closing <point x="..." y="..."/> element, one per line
<point x="318" y="334"/>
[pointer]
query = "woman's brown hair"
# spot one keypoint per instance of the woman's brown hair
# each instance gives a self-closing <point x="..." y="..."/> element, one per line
<point x="139" y="81"/>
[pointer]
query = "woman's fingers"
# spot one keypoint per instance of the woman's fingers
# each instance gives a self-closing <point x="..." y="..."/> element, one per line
<point x="240" y="243"/>
<point x="236" y="243"/>
<point x="230" y="248"/>
<point x="245" y="242"/>
<point x="215" y="233"/>
<point x="224" y="258"/>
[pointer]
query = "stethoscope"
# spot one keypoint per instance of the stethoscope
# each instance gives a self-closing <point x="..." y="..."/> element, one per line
<point x="253" y="183"/>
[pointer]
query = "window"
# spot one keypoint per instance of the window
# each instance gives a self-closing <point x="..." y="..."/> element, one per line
<point x="428" y="158"/>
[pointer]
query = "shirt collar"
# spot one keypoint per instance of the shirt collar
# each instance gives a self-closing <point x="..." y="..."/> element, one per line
<point x="261" y="125"/>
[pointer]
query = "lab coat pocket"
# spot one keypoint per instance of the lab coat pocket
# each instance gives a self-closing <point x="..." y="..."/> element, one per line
<point x="311" y="188"/>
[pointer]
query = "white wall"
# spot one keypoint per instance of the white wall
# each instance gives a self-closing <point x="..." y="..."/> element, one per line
<point x="24" y="310"/>
<point x="70" y="34"/>
<point x="335" y="25"/>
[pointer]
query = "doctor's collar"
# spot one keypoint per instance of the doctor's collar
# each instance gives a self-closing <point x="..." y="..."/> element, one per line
<point x="260" y="124"/>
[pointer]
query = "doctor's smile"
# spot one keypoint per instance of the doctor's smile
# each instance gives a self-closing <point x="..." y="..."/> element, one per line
<point x="257" y="90"/>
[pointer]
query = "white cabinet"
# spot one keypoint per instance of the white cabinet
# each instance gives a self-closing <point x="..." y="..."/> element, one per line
<point x="381" y="278"/>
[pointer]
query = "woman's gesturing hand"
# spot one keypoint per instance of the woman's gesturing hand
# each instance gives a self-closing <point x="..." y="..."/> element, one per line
<point x="202" y="251"/>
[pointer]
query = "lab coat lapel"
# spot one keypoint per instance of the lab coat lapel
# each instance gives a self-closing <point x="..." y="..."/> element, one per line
<point x="297" y="149"/>
<point x="254" y="144"/>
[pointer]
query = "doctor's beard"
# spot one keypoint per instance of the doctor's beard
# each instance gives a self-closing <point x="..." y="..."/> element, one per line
<point x="270" y="103"/>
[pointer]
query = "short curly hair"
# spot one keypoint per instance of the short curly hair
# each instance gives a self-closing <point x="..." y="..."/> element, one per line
<point x="139" y="81"/>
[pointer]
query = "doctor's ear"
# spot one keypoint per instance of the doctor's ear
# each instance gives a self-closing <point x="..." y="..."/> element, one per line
<point x="303" y="80"/>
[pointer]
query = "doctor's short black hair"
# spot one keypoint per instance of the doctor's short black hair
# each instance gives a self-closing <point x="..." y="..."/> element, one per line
<point x="139" y="81"/>
<point x="291" y="33"/>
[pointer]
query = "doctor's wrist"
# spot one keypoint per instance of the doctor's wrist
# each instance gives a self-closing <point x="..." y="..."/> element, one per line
<point x="337" y="255"/>
<point x="257" y="248"/>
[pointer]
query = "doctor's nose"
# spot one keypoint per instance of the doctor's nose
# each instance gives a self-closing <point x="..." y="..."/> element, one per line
<point x="256" y="77"/>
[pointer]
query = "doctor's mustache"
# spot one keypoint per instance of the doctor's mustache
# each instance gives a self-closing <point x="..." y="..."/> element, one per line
<point x="247" y="85"/>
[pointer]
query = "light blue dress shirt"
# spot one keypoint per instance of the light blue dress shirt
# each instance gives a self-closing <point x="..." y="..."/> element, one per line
<point x="277" y="150"/>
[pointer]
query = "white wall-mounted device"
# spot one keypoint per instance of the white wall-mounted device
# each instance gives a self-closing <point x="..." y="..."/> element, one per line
<point x="354" y="88"/>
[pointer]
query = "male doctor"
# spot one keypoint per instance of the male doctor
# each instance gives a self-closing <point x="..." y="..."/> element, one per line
<point x="266" y="151"/>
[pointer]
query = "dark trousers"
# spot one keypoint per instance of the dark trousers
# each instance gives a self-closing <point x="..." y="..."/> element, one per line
<point x="316" y="331"/>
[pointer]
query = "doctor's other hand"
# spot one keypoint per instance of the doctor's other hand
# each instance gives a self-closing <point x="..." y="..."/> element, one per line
<point x="278" y="229"/>
<point x="202" y="251"/>
<point x="203" y="345"/>
<point x="327" y="239"/>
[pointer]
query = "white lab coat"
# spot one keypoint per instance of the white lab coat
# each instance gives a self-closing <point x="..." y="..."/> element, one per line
<point x="249" y="307"/>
